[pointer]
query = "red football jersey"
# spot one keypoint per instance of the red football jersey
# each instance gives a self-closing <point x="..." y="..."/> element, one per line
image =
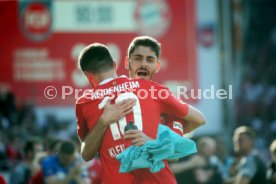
<point x="152" y="100"/>
<point x="175" y="124"/>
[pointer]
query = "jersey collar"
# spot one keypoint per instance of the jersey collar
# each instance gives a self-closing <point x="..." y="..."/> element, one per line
<point x="110" y="79"/>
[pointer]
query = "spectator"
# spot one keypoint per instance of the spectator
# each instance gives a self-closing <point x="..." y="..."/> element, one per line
<point x="25" y="170"/>
<point x="65" y="167"/>
<point x="250" y="168"/>
<point x="201" y="168"/>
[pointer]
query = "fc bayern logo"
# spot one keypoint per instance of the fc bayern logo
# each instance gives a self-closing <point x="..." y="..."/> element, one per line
<point x="35" y="20"/>
<point x="153" y="17"/>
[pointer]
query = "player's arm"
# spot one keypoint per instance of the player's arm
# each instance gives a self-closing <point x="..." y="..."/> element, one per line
<point x="92" y="142"/>
<point x="112" y="113"/>
<point x="193" y="120"/>
<point x="172" y="106"/>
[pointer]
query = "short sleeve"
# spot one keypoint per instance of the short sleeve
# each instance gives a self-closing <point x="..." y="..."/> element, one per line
<point x="169" y="103"/>
<point x="82" y="128"/>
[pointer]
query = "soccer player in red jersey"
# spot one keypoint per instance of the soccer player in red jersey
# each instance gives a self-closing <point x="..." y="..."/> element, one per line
<point x="143" y="62"/>
<point x="106" y="136"/>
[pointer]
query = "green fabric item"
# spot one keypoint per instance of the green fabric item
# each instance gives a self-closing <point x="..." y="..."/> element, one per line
<point x="167" y="146"/>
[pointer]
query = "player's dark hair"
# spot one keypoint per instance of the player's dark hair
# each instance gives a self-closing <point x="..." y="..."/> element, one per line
<point x="67" y="147"/>
<point x="145" y="41"/>
<point x="95" y="58"/>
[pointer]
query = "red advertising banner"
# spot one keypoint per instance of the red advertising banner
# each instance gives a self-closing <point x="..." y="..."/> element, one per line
<point x="41" y="40"/>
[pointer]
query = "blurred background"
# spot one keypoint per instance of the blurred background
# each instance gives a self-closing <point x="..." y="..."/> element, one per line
<point x="206" y="44"/>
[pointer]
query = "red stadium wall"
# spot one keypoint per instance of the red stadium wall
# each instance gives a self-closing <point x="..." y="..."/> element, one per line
<point x="40" y="42"/>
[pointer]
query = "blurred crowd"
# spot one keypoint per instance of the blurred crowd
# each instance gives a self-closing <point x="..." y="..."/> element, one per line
<point x="216" y="164"/>
<point x="33" y="152"/>
<point x="256" y="101"/>
<point x="255" y="105"/>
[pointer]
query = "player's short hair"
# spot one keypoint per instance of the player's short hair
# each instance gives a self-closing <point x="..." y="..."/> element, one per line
<point x="95" y="58"/>
<point x="67" y="147"/>
<point x="248" y="131"/>
<point x="146" y="41"/>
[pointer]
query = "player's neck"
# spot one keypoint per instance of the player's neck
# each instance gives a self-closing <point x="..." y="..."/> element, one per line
<point x="106" y="75"/>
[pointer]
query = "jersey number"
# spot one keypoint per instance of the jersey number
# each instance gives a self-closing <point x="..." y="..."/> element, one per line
<point x="117" y="128"/>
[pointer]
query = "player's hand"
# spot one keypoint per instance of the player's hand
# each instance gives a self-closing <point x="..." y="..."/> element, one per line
<point x="114" y="112"/>
<point x="137" y="137"/>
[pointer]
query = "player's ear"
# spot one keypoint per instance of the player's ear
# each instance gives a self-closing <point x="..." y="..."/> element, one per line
<point x="126" y="63"/>
<point x="115" y="65"/>
<point x="158" y="66"/>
